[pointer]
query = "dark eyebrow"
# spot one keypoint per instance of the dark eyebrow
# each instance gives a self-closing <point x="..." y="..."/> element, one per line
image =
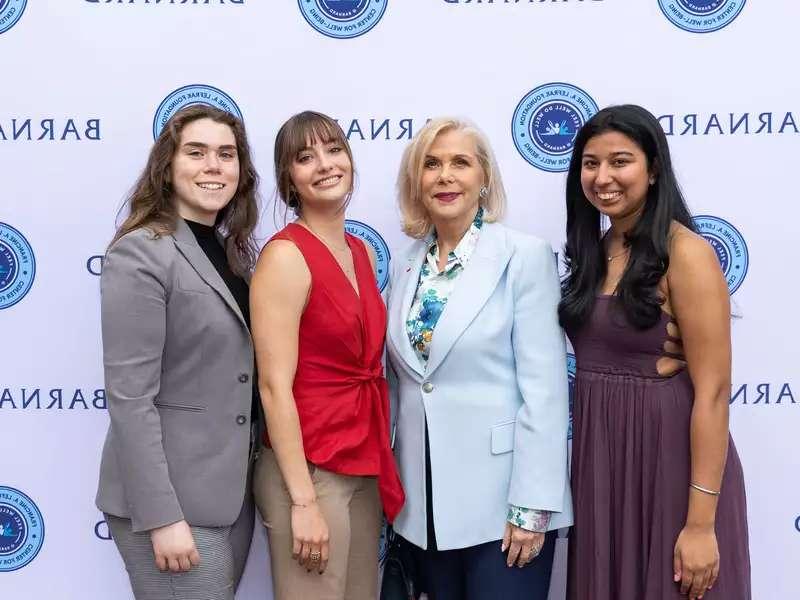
<point x="205" y="146"/>
<point x="310" y="144"/>
<point x="621" y="152"/>
<point x="617" y="153"/>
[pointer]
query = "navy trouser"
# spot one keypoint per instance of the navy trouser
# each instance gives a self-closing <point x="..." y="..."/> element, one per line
<point x="480" y="573"/>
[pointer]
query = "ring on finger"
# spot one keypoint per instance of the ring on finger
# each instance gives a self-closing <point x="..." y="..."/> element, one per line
<point x="315" y="556"/>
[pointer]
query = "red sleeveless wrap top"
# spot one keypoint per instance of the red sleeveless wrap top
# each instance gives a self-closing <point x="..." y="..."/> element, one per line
<point x="339" y="388"/>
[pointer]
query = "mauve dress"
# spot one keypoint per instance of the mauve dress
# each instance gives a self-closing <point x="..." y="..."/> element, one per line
<point x="631" y="469"/>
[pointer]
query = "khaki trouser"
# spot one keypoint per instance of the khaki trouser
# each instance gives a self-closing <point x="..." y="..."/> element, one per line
<point x="351" y="507"/>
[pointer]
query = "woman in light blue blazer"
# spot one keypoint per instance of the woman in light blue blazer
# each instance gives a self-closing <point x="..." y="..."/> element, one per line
<point x="478" y="365"/>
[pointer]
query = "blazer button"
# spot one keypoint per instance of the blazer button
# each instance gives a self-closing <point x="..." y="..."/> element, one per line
<point x="244" y="377"/>
<point x="427" y="387"/>
<point x="241" y="420"/>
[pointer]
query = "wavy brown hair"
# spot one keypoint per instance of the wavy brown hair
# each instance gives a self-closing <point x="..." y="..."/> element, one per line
<point x="151" y="203"/>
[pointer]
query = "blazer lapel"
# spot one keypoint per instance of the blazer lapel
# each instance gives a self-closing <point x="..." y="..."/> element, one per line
<point x="400" y="300"/>
<point x="191" y="250"/>
<point x="473" y="288"/>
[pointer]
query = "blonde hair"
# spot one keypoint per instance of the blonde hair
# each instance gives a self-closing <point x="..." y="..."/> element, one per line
<point x="416" y="222"/>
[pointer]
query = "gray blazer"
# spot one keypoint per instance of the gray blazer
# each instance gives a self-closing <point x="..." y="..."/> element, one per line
<point x="494" y="393"/>
<point x="178" y="361"/>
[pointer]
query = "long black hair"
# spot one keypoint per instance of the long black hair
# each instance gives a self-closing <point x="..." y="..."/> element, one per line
<point x="648" y="240"/>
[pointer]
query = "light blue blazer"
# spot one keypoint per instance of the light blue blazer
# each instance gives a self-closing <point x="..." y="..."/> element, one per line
<point x="494" y="393"/>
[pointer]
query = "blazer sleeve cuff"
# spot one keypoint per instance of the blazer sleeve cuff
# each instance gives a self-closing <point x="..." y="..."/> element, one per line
<point x="529" y="519"/>
<point x="165" y="511"/>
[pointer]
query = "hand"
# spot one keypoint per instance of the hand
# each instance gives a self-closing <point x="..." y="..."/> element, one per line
<point x="523" y="545"/>
<point x="696" y="561"/>
<point x="174" y="548"/>
<point x="311" y="537"/>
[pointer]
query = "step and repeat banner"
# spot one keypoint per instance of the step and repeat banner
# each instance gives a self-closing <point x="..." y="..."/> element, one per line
<point x="87" y="84"/>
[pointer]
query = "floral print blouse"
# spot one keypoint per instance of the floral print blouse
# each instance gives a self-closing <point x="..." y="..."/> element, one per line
<point x="433" y="290"/>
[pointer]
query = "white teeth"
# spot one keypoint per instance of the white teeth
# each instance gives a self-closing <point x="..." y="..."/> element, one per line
<point x="329" y="180"/>
<point x="211" y="186"/>
<point x="609" y="195"/>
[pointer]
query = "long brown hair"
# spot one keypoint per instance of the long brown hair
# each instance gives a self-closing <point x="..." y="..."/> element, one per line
<point x="300" y="131"/>
<point x="151" y="202"/>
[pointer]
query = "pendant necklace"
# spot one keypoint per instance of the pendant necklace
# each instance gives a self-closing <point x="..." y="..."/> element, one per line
<point x="613" y="256"/>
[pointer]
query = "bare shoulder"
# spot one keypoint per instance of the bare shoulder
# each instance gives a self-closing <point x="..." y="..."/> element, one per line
<point x="689" y="249"/>
<point x="281" y="258"/>
<point x="694" y="275"/>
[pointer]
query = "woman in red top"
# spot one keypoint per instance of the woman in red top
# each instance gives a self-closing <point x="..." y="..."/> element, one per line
<point x="318" y="326"/>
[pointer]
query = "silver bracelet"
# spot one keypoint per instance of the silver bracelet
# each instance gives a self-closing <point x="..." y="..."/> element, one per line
<point x="700" y="488"/>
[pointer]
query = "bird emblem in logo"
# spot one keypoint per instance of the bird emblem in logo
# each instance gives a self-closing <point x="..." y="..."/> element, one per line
<point x="546" y="121"/>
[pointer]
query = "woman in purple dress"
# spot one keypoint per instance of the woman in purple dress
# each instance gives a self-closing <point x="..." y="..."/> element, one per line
<point x="658" y="487"/>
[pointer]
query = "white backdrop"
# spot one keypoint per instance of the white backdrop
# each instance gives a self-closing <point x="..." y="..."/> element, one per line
<point x="81" y="84"/>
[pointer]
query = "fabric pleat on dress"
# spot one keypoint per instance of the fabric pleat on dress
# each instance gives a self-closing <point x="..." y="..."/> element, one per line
<point x="631" y="468"/>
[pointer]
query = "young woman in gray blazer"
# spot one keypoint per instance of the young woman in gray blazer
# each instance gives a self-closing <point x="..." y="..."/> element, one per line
<point x="480" y="378"/>
<point x="178" y="361"/>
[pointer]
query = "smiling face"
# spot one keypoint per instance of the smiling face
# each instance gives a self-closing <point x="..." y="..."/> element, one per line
<point x="615" y="175"/>
<point x="322" y="174"/>
<point x="452" y="178"/>
<point x="204" y="170"/>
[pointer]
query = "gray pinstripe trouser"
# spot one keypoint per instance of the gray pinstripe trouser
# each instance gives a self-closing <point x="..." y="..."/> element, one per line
<point x="223" y="554"/>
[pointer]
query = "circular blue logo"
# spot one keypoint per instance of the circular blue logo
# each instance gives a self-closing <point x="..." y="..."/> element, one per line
<point x="11" y="12"/>
<point x="701" y="16"/>
<point x="571" y="365"/>
<point x="729" y="246"/>
<point x="17" y="266"/>
<point x="373" y="239"/>
<point x="192" y="94"/>
<point x="546" y="122"/>
<point x="21" y="529"/>
<point x="342" y="19"/>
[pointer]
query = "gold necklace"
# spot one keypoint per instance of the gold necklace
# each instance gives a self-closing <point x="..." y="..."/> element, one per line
<point x="348" y="270"/>
<point x="613" y="256"/>
<point x="323" y="240"/>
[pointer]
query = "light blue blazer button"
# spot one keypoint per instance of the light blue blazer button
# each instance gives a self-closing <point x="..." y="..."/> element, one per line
<point x="427" y="387"/>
